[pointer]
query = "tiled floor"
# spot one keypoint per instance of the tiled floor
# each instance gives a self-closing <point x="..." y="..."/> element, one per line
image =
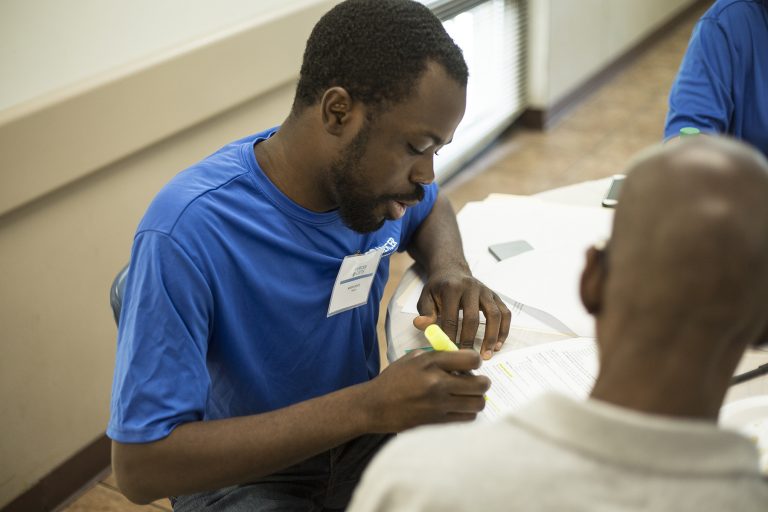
<point x="594" y="140"/>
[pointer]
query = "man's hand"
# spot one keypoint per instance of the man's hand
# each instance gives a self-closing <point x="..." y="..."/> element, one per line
<point x="425" y="387"/>
<point x="446" y="293"/>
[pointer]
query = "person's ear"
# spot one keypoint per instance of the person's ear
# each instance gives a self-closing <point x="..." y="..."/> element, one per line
<point x="592" y="280"/>
<point x="336" y="107"/>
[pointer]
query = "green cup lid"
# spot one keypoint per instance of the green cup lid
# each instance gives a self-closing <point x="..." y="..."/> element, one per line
<point x="689" y="131"/>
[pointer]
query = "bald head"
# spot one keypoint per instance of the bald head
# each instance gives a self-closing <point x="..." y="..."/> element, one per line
<point x="689" y="251"/>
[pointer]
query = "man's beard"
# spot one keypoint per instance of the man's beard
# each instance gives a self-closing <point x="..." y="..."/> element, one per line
<point x="356" y="204"/>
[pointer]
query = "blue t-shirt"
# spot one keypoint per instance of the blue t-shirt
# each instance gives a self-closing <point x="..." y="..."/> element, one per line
<point x="722" y="85"/>
<point x="225" y="304"/>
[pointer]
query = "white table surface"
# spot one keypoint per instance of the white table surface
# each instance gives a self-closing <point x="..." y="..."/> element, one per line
<point x="399" y="325"/>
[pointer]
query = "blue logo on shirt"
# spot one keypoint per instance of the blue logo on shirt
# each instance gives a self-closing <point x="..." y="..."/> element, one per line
<point x="387" y="247"/>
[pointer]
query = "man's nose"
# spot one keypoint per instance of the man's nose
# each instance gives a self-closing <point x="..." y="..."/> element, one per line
<point x="423" y="170"/>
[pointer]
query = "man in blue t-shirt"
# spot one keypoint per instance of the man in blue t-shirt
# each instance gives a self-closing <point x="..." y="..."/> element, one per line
<point x="722" y="85"/>
<point x="247" y="373"/>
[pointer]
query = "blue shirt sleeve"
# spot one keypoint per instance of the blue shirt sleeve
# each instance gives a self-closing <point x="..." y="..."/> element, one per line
<point x="161" y="379"/>
<point x="701" y="95"/>
<point x="415" y="216"/>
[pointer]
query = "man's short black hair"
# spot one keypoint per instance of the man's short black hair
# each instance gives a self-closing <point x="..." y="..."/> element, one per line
<point x="376" y="50"/>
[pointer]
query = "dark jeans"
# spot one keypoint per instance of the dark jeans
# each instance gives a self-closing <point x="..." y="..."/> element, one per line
<point x="323" y="482"/>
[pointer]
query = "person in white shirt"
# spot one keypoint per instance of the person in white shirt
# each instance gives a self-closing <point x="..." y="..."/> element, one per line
<point x="678" y="294"/>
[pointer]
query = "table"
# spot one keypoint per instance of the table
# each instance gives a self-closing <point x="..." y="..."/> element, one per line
<point x="399" y="328"/>
<point x="402" y="336"/>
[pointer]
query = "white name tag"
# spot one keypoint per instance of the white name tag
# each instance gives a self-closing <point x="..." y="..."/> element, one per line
<point x="354" y="281"/>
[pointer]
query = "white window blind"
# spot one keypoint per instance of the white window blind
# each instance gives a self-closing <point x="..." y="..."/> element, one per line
<point x="492" y="35"/>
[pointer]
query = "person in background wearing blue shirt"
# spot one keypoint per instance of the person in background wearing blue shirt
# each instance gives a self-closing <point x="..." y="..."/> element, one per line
<point x="722" y="85"/>
<point x="247" y="372"/>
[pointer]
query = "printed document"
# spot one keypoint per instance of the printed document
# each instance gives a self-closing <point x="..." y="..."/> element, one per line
<point x="566" y="366"/>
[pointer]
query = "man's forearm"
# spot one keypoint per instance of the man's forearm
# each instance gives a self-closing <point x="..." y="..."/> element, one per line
<point x="417" y="389"/>
<point x="437" y="243"/>
<point x="452" y="297"/>
<point x="207" y="455"/>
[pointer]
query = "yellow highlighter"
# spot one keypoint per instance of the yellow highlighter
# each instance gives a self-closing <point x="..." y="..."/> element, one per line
<point x="438" y="339"/>
<point x="442" y="343"/>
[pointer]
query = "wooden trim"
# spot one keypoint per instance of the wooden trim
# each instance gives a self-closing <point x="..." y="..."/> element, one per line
<point x="543" y="119"/>
<point x="534" y="118"/>
<point x="67" y="480"/>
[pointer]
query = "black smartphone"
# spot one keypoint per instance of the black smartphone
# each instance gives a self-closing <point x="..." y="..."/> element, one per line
<point x="611" y="199"/>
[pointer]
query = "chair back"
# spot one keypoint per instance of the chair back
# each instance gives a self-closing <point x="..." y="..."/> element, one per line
<point x="116" y="293"/>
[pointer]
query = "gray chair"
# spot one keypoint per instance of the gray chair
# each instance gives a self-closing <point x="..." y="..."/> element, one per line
<point x="116" y="293"/>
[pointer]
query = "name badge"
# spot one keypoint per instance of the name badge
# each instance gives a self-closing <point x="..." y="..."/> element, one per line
<point x="354" y="281"/>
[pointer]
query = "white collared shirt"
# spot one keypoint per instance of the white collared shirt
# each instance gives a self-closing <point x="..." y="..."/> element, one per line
<point x="558" y="454"/>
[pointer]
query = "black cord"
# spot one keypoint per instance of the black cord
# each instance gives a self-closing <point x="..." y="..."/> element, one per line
<point x="751" y="374"/>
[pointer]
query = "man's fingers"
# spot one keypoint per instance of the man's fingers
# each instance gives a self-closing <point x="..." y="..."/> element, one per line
<point x="423" y="321"/>
<point x="426" y="304"/>
<point x="493" y="320"/>
<point x="410" y="355"/>
<point x="448" y="315"/>
<point x="465" y="404"/>
<point x="471" y="318"/>
<point x="469" y="385"/>
<point x="459" y="361"/>
<point x="506" y="321"/>
<point x="465" y="416"/>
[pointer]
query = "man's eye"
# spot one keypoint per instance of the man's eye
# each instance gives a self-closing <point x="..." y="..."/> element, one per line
<point x="413" y="150"/>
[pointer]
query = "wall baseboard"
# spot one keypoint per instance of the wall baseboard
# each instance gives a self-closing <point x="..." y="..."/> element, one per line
<point x="67" y="480"/>
<point x="543" y="119"/>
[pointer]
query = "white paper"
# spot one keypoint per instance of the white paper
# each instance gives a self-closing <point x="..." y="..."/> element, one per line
<point x="542" y="224"/>
<point x="548" y="280"/>
<point x="545" y="279"/>
<point x="568" y="366"/>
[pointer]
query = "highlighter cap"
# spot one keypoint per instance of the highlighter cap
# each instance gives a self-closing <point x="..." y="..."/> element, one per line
<point x="438" y="339"/>
<point x="689" y="131"/>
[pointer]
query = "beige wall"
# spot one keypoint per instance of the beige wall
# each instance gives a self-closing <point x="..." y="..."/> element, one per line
<point x="572" y="40"/>
<point x="78" y="39"/>
<point x="57" y="259"/>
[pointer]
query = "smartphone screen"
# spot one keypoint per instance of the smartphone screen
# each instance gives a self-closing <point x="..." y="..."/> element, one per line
<point x="611" y="199"/>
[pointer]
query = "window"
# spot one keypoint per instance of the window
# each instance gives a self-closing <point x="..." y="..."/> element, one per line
<point x="491" y="33"/>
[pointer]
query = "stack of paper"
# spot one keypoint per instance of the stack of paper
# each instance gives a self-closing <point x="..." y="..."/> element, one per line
<point x="568" y="366"/>
<point x="543" y="224"/>
<point x="541" y="285"/>
<point x="550" y="345"/>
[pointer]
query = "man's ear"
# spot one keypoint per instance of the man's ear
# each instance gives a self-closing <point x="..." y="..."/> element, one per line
<point x="337" y="110"/>
<point x="592" y="280"/>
